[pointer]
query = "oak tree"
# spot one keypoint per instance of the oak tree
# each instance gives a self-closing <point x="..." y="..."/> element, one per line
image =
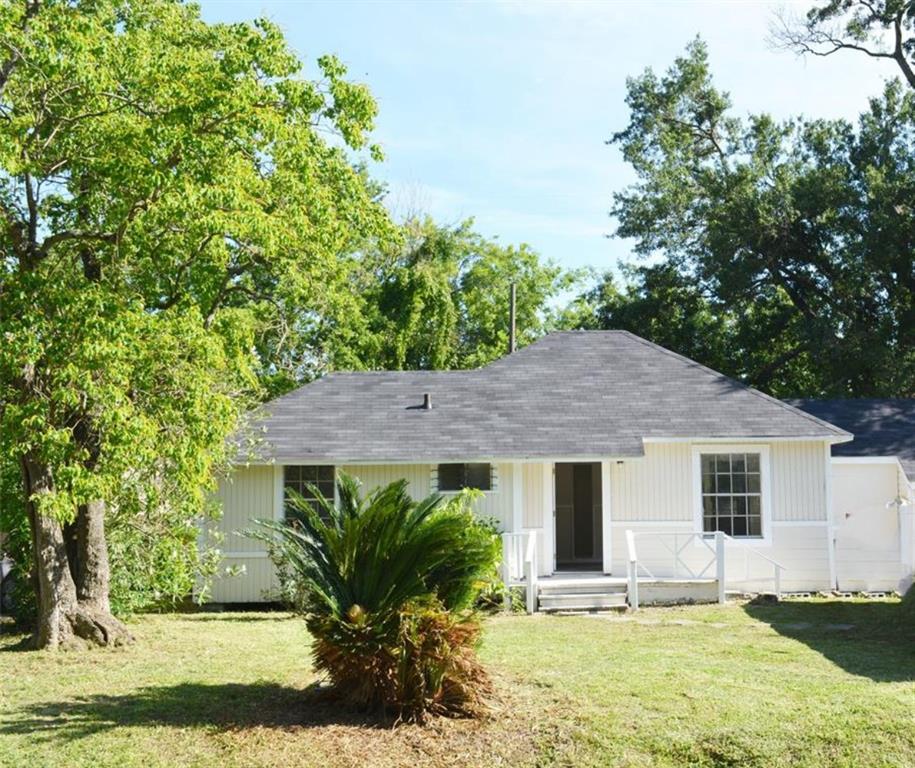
<point x="166" y="187"/>
<point x="798" y="234"/>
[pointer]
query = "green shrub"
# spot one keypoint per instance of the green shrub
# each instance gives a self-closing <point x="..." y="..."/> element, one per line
<point x="155" y="551"/>
<point x="491" y="598"/>
<point x="388" y="587"/>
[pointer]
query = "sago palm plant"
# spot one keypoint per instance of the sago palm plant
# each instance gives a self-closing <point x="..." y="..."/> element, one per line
<point x="388" y="586"/>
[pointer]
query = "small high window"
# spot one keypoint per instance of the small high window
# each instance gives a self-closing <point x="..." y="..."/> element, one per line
<point x="457" y="477"/>
<point x="300" y="478"/>
<point x="732" y="494"/>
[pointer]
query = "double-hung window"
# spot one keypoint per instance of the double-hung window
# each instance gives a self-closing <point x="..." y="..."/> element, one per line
<point x="731" y="493"/>
<point x="302" y="478"/>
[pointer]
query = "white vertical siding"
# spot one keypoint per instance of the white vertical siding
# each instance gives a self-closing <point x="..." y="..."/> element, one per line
<point x="250" y="580"/>
<point x="379" y="475"/>
<point x="533" y="496"/>
<point x="494" y="504"/>
<point x="248" y="494"/>
<point x="651" y="491"/>
<point x="497" y="504"/>
<point x="657" y="487"/>
<point x="868" y="547"/>
<point x="538" y="512"/>
<point x="798" y="481"/>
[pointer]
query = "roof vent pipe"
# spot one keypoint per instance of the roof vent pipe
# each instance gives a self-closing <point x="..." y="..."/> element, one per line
<point x="427" y="402"/>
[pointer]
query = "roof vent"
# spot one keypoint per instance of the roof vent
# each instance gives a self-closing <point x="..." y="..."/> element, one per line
<point x="427" y="402"/>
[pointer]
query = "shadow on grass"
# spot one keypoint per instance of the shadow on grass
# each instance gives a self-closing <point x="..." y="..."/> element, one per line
<point x="870" y="639"/>
<point x="189" y="705"/>
<point x="243" y="618"/>
<point x="24" y="643"/>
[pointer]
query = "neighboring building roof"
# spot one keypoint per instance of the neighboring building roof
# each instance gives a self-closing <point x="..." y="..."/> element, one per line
<point x="882" y="427"/>
<point x="570" y="395"/>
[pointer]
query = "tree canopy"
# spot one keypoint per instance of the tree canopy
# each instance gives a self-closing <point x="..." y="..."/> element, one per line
<point x="796" y="235"/>
<point x="442" y="299"/>
<point x="166" y="185"/>
<point x="437" y="297"/>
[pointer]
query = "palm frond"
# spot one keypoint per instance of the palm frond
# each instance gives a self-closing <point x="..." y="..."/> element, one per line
<point x="388" y="581"/>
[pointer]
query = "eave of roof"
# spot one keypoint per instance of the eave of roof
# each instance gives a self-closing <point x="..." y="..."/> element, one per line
<point x="882" y="427"/>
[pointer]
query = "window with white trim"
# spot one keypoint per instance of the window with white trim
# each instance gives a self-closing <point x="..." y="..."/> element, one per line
<point x="302" y="478"/>
<point x="457" y="477"/>
<point x="732" y="494"/>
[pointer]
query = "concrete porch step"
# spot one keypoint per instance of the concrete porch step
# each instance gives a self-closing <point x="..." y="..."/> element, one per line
<point x="576" y="582"/>
<point x="547" y="587"/>
<point x="583" y="601"/>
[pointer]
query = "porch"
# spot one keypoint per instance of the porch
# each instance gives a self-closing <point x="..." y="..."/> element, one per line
<point x="565" y="548"/>
<point x="695" y="567"/>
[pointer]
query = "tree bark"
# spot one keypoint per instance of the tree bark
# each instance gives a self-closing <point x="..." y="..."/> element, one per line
<point x="69" y="616"/>
<point x="56" y="590"/>
<point x="94" y="621"/>
<point x="92" y="573"/>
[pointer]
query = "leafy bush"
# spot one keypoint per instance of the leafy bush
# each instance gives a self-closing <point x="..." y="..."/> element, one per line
<point x="388" y="587"/>
<point x="155" y="551"/>
<point x="492" y="597"/>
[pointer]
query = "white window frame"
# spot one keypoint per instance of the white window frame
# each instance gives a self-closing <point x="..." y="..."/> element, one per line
<point x="765" y="487"/>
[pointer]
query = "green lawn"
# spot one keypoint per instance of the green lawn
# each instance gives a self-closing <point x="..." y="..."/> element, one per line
<point x="802" y="683"/>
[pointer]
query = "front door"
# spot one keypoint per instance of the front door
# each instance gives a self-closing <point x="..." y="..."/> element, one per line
<point x="578" y="517"/>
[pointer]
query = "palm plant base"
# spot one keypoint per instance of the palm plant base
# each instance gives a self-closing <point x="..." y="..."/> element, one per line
<point x="432" y="669"/>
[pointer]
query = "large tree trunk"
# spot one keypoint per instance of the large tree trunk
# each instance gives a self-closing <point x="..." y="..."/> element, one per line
<point x="92" y="572"/>
<point x="92" y="576"/>
<point x="67" y="616"/>
<point x="56" y="590"/>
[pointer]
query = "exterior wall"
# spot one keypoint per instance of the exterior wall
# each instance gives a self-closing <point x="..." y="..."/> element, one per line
<point x="496" y="503"/>
<point x="418" y="476"/>
<point x="655" y="497"/>
<point x="535" y="512"/>
<point x="907" y="533"/>
<point x="870" y="536"/>
<point x="655" y="488"/>
<point x="537" y="495"/>
<point x="798" y="481"/>
<point x="249" y="494"/>
<point x="256" y="492"/>
<point x="658" y="487"/>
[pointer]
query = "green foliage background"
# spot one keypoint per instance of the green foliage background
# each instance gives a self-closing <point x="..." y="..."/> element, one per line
<point x="779" y="252"/>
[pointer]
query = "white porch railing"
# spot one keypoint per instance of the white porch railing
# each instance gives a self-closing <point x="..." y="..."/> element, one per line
<point x="692" y="556"/>
<point x="519" y="566"/>
<point x="749" y="551"/>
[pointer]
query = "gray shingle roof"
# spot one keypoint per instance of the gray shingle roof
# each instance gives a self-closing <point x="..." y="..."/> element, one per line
<point x="882" y="427"/>
<point x="571" y="395"/>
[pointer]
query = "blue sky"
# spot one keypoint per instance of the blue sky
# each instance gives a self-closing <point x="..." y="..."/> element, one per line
<point x="500" y="111"/>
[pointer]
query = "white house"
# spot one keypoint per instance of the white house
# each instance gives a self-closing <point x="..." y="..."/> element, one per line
<point x="612" y="464"/>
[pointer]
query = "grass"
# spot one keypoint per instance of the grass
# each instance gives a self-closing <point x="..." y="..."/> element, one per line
<point x="815" y="683"/>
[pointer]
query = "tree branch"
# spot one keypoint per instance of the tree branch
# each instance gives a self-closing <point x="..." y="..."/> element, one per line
<point x="812" y="38"/>
<point x="6" y="69"/>
<point x="68" y="235"/>
<point x="898" y="52"/>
